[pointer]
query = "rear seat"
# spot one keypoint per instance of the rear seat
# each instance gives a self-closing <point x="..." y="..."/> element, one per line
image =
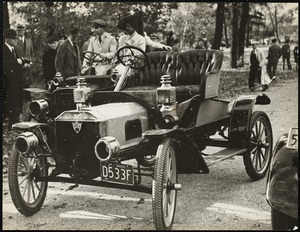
<point x="192" y="72"/>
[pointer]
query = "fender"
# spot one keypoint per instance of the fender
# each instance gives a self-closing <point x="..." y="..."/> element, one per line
<point x="240" y="117"/>
<point x="282" y="180"/>
<point x="192" y="155"/>
<point x="45" y="134"/>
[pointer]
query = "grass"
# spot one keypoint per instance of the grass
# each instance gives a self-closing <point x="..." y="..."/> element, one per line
<point x="235" y="83"/>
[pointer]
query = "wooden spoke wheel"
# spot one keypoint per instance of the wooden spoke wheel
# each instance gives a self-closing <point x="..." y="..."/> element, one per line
<point x="27" y="193"/>
<point x="260" y="141"/>
<point x="164" y="186"/>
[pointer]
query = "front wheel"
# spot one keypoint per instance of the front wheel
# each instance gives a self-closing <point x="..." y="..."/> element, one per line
<point x="27" y="193"/>
<point x="164" y="192"/>
<point x="259" y="146"/>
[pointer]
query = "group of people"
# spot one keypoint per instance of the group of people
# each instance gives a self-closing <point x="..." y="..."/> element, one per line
<point x="67" y="59"/>
<point x="64" y="58"/>
<point x="17" y="73"/>
<point x="263" y="70"/>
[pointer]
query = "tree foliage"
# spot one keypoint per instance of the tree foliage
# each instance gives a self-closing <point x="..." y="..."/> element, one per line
<point x="54" y="18"/>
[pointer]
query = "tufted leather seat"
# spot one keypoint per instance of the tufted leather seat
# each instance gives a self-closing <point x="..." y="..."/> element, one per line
<point x="192" y="72"/>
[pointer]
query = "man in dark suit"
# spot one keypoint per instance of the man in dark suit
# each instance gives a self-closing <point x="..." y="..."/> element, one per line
<point x="49" y="60"/>
<point x="273" y="56"/>
<point x="13" y="81"/>
<point x="286" y="54"/>
<point x="67" y="60"/>
<point x="24" y="48"/>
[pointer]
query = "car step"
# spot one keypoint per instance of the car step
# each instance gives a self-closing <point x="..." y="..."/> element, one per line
<point x="227" y="153"/>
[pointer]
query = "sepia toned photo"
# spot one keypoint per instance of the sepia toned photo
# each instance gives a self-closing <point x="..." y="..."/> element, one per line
<point x="149" y="115"/>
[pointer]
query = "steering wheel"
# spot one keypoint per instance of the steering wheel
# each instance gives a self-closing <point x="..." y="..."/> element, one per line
<point x="135" y="56"/>
<point x="91" y="58"/>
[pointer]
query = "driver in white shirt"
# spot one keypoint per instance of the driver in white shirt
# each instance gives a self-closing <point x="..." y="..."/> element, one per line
<point x="105" y="45"/>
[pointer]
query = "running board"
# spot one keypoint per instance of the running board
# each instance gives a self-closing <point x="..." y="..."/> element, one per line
<point x="225" y="154"/>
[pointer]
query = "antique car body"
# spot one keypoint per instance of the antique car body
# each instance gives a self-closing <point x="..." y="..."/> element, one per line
<point x="282" y="182"/>
<point x="163" y="118"/>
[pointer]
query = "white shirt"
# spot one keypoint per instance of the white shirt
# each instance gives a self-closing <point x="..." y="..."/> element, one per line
<point x="151" y="43"/>
<point x="10" y="47"/>
<point x="22" y="38"/>
<point x="134" y="39"/>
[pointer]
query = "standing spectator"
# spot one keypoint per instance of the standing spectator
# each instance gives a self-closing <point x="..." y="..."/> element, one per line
<point x="67" y="60"/>
<point x="200" y="44"/>
<point x="255" y="69"/>
<point x="49" y="60"/>
<point x="24" y="48"/>
<point x="274" y="54"/>
<point x="13" y="81"/>
<point x="296" y="56"/>
<point x="170" y="39"/>
<point x="205" y="42"/>
<point x="286" y="54"/>
<point x="176" y="45"/>
<point x="105" y="45"/>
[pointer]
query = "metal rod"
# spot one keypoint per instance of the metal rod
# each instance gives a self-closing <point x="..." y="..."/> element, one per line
<point x="135" y="187"/>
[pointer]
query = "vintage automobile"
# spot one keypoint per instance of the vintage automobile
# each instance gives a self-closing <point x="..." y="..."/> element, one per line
<point x="151" y="122"/>
<point x="282" y="182"/>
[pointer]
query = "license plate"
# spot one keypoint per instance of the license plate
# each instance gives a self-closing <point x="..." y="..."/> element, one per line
<point x="292" y="141"/>
<point x="116" y="173"/>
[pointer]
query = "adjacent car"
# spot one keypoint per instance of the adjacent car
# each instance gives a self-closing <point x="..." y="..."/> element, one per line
<point x="282" y="182"/>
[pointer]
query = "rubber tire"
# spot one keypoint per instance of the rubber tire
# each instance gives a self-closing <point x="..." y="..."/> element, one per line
<point x="281" y="221"/>
<point x="250" y="169"/>
<point x="22" y="206"/>
<point x="158" y="182"/>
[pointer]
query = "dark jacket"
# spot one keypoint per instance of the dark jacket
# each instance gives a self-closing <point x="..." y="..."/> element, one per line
<point x="12" y="82"/>
<point x="49" y="64"/>
<point x="274" y="54"/>
<point x="66" y="61"/>
<point x="26" y="50"/>
<point x="286" y="52"/>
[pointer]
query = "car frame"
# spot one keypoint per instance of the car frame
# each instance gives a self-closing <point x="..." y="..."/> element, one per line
<point x="90" y="131"/>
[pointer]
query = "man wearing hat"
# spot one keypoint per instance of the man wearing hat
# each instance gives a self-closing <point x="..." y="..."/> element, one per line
<point x="13" y="82"/>
<point x="67" y="60"/>
<point x="49" y="59"/>
<point x="24" y="48"/>
<point x="274" y="54"/>
<point x="104" y="44"/>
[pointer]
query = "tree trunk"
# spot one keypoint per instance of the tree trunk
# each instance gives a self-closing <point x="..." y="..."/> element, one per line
<point x="235" y="32"/>
<point x="242" y="32"/>
<point x="5" y="16"/>
<point x="248" y="33"/>
<point x="219" y="25"/>
<point x="50" y="22"/>
<point x="225" y="32"/>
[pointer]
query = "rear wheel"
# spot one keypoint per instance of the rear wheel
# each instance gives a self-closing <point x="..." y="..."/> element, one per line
<point x="259" y="148"/>
<point x="164" y="193"/>
<point x="27" y="193"/>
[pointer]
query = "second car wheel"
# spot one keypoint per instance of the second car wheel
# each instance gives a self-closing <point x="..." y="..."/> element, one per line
<point x="259" y="146"/>
<point x="164" y="192"/>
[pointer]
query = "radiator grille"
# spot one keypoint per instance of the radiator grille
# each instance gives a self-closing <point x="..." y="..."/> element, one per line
<point x="69" y="143"/>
